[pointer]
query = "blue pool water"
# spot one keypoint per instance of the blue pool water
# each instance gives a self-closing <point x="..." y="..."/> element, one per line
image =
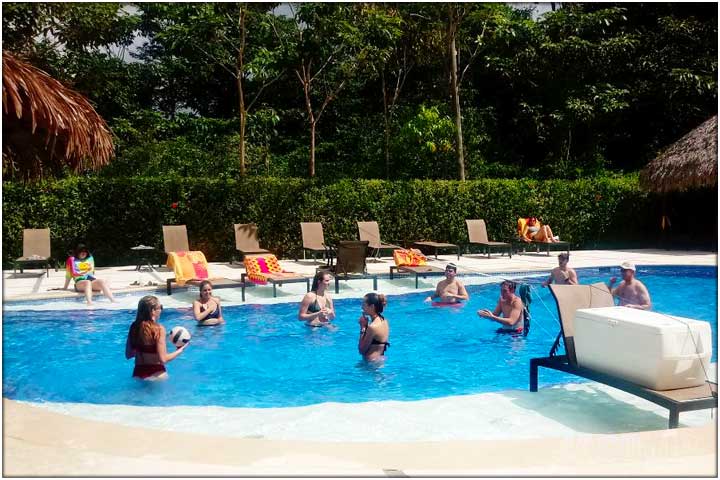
<point x="264" y="357"/>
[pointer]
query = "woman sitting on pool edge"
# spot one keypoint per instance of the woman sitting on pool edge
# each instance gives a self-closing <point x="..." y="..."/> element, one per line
<point x="146" y="342"/>
<point x="80" y="267"/>
<point x="374" y="333"/>
<point x="316" y="307"/>
<point x="207" y="309"/>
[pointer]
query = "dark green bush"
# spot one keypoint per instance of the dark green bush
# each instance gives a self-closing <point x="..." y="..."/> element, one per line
<point x="112" y="215"/>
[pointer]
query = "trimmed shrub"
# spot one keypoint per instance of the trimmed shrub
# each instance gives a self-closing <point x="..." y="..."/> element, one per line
<point x="113" y="215"/>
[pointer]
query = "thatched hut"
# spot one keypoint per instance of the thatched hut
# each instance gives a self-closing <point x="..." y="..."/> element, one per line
<point x="691" y="162"/>
<point x="47" y="126"/>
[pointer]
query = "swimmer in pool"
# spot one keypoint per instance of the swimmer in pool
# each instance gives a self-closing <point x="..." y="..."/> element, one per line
<point x="207" y="309"/>
<point x="316" y="308"/>
<point x="146" y="342"/>
<point x="631" y="292"/>
<point x="374" y="328"/>
<point x="562" y="274"/>
<point x="449" y="290"/>
<point x="508" y="311"/>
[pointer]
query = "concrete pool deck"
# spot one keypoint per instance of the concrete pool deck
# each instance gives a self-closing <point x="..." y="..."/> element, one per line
<point x="42" y="442"/>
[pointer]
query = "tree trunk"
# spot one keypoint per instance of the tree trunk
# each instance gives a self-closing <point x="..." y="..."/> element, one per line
<point x="387" y="128"/>
<point x="243" y="121"/>
<point x="311" y="171"/>
<point x="454" y="90"/>
<point x="241" y="94"/>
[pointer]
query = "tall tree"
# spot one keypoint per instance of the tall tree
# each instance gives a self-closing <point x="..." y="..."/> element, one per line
<point x="216" y="39"/>
<point x="331" y="44"/>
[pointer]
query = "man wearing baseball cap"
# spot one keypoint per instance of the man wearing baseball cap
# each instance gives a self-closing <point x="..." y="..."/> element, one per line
<point x="449" y="290"/>
<point x="631" y="291"/>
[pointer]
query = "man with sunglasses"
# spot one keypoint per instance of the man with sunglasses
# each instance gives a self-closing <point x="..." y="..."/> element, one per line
<point x="449" y="290"/>
<point x="631" y="291"/>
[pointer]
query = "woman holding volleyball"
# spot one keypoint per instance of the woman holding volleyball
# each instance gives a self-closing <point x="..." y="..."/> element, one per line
<point x="146" y="342"/>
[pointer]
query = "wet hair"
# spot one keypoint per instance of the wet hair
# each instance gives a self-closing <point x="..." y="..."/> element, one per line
<point x="80" y="248"/>
<point x="144" y="330"/>
<point x="377" y="300"/>
<point x="451" y="266"/>
<point x="510" y="284"/>
<point x="320" y="275"/>
<point x="205" y="282"/>
<point x="564" y="256"/>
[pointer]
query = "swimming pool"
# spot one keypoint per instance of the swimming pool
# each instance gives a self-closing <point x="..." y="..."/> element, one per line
<point x="264" y="357"/>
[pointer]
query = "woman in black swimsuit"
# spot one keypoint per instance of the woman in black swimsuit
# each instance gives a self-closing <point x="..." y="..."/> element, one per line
<point x="374" y="333"/>
<point x="207" y="309"/>
<point x="316" y="308"/>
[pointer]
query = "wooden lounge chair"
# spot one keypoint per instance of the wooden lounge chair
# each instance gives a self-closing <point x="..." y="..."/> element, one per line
<point x="36" y="249"/>
<point x="370" y="232"/>
<point x="350" y="263"/>
<point x="569" y="298"/>
<point x="435" y="246"/>
<point x="261" y="269"/>
<point x="477" y="235"/>
<point x="313" y="239"/>
<point x="246" y="239"/>
<point x="417" y="270"/>
<point x="175" y="239"/>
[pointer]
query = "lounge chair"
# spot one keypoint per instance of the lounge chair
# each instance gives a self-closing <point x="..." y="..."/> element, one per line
<point x="435" y="246"/>
<point x="569" y="299"/>
<point x="413" y="262"/>
<point x="261" y="269"/>
<point x="477" y="235"/>
<point x="370" y="232"/>
<point x="246" y="239"/>
<point x="313" y="239"/>
<point x="36" y="249"/>
<point x="350" y="263"/>
<point x="189" y="267"/>
<point x="175" y="238"/>
<point x="520" y="241"/>
<point x="417" y="270"/>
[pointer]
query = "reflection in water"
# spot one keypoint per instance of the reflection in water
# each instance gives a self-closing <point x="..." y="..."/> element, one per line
<point x="375" y="368"/>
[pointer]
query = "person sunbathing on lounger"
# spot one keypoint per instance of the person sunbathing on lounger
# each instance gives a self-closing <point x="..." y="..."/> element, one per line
<point x="450" y="290"/>
<point x="534" y="231"/>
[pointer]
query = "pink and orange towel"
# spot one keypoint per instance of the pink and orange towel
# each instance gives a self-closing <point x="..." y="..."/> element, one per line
<point x="188" y="266"/>
<point x="411" y="258"/>
<point x="258" y="267"/>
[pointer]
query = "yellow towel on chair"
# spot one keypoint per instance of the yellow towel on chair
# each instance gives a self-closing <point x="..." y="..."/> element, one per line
<point x="188" y="266"/>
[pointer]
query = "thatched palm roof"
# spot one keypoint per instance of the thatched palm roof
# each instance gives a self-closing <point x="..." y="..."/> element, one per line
<point x="47" y="126"/>
<point x="690" y="162"/>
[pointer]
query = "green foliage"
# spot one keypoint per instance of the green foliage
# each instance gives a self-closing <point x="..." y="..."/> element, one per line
<point x="582" y="90"/>
<point x="113" y="215"/>
<point x="424" y="146"/>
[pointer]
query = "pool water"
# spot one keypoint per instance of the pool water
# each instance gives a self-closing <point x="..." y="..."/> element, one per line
<point x="264" y="357"/>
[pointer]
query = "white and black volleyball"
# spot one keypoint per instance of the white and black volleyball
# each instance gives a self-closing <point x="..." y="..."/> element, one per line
<point x="179" y="336"/>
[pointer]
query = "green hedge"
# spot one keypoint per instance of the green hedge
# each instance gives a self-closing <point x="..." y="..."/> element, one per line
<point x="112" y="215"/>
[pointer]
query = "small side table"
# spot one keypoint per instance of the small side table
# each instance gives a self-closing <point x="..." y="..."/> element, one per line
<point x="144" y="257"/>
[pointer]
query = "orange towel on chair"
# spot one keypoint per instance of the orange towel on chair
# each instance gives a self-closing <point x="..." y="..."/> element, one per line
<point x="256" y="267"/>
<point x="411" y="258"/>
<point x="188" y="266"/>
